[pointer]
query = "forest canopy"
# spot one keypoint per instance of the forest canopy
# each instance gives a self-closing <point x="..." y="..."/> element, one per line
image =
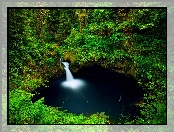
<point x="131" y="39"/>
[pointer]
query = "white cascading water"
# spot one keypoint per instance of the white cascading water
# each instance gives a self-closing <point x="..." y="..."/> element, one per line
<point x="70" y="81"/>
<point x="69" y="76"/>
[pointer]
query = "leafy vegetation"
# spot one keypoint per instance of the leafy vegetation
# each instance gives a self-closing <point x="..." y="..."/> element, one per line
<point x="23" y="111"/>
<point x="131" y="39"/>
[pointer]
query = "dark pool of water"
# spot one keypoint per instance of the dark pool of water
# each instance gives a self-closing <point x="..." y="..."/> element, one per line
<point x="103" y="91"/>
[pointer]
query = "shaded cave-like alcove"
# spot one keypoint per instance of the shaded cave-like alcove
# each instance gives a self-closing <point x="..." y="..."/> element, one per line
<point x="103" y="90"/>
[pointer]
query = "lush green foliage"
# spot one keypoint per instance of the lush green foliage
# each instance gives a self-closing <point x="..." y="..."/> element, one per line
<point x="23" y="111"/>
<point x="133" y="39"/>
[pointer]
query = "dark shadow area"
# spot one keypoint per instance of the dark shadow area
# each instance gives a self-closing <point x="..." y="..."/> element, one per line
<point x="103" y="90"/>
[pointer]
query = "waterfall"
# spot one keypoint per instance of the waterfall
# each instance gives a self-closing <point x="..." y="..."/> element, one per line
<point x="70" y="81"/>
<point x="69" y="76"/>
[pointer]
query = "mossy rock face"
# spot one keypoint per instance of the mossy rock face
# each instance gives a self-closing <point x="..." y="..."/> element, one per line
<point x="69" y="57"/>
<point x="122" y="67"/>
